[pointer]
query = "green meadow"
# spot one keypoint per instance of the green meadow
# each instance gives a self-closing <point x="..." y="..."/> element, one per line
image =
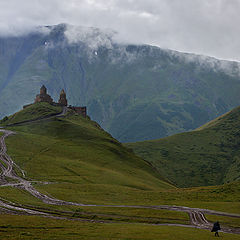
<point x="34" y="227"/>
<point x="73" y="159"/>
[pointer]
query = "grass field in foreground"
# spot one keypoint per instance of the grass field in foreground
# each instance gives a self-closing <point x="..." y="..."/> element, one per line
<point x="128" y="214"/>
<point x="97" y="194"/>
<point x="225" y="221"/>
<point x="221" y="198"/>
<point x="28" y="227"/>
<point x="103" y="213"/>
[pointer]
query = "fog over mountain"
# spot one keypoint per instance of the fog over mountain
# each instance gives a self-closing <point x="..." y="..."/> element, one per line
<point x="200" y="26"/>
<point x="95" y="38"/>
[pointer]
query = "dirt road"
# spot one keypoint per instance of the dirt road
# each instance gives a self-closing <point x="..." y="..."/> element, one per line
<point x="196" y="215"/>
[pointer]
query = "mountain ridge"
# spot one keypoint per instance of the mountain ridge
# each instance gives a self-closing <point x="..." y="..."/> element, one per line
<point x="136" y="92"/>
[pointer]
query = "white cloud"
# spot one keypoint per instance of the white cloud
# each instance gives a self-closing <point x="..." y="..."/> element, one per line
<point x="207" y="27"/>
<point x="91" y="36"/>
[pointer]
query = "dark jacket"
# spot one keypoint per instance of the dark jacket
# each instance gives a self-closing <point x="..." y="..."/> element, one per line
<point x="216" y="227"/>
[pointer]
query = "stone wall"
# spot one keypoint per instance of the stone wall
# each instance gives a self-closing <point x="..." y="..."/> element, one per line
<point x="80" y="110"/>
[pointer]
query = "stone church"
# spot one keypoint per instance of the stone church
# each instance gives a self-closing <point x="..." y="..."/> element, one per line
<point x="44" y="97"/>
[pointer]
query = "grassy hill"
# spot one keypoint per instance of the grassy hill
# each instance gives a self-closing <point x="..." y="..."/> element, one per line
<point x="78" y="157"/>
<point x="83" y="163"/>
<point x="206" y="156"/>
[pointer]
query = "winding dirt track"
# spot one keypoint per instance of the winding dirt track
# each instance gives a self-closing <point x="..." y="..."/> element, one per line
<point x="196" y="215"/>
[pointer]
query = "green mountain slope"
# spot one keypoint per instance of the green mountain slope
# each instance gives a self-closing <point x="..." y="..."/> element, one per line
<point x="80" y="159"/>
<point x="135" y="92"/>
<point x="206" y="156"/>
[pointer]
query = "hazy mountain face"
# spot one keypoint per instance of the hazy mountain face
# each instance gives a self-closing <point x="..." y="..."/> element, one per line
<point x="134" y="92"/>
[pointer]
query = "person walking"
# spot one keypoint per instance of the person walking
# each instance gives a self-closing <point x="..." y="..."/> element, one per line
<point x="216" y="227"/>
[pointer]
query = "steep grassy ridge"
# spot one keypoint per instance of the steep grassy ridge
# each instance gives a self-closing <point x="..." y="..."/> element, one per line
<point x="75" y="154"/>
<point x="207" y="156"/>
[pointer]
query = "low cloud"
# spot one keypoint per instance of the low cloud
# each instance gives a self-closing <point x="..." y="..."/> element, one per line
<point x="94" y="37"/>
<point x="208" y="27"/>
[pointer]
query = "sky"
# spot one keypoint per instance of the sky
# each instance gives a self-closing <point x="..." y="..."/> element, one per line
<point x="208" y="27"/>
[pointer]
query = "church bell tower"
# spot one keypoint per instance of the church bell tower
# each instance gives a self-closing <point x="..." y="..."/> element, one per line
<point x="62" y="99"/>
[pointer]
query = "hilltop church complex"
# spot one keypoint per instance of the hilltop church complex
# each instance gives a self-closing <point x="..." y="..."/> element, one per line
<point x="44" y="97"/>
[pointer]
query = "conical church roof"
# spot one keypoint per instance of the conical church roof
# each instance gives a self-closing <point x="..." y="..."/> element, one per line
<point x="43" y="88"/>
<point x="62" y="92"/>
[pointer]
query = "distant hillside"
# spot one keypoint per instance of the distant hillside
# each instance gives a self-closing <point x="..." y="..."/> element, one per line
<point x="136" y="92"/>
<point x="78" y="157"/>
<point x="209" y="155"/>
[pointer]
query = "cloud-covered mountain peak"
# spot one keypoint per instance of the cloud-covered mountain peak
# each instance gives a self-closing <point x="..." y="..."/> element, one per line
<point x="90" y="36"/>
